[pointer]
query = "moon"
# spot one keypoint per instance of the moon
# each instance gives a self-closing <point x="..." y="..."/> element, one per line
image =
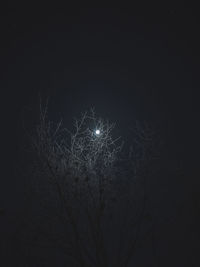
<point x="97" y="132"/>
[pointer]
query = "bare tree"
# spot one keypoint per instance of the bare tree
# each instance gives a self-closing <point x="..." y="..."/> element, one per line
<point x="100" y="197"/>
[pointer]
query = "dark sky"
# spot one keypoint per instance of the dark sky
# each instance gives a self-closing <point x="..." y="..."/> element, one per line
<point x="138" y="63"/>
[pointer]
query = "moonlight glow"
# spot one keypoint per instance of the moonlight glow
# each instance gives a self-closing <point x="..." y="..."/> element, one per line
<point x="97" y="132"/>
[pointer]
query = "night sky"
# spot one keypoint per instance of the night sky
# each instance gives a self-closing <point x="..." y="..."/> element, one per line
<point x="138" y="63"/>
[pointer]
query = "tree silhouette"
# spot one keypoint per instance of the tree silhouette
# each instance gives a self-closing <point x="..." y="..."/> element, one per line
<point x="96" y="193"/>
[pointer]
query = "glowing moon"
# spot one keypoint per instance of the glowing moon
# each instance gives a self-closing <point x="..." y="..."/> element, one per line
<point x="97" y="132"/>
